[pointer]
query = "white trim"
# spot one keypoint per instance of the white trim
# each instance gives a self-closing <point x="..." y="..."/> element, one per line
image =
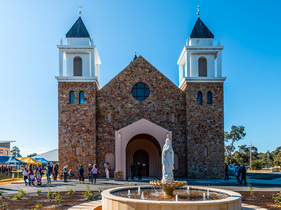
<point x="78" y="79"/>
<point x="76" y="46"/>
<point x="201" y="79"/>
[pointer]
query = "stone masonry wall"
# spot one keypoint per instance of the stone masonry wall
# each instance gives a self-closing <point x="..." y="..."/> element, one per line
<point x="116" y="99"/>
<point x="205" y="131"/>
<point x="77" y="125"/>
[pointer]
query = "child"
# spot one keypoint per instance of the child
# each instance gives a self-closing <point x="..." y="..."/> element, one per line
<point x="24" y="173"/>
<point x="70" y="174"/>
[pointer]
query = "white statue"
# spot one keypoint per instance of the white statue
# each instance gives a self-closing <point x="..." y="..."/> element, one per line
<point x="168" y="162"/>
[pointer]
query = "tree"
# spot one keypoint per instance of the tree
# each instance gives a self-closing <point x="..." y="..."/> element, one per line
<point x="15" y="152"/>
<point x="32" y="155"/>
<point x="237" y="133"/>
<point x="277" y="160"/>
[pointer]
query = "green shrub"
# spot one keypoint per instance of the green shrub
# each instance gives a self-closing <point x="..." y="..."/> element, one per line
<point x="70" y="191"/>
<point x="38" y="192"/>
<point x="277" y="198"/>
<point x="58" y="198"/>
<point x="50" y="195"/>
<point x="20" y="194"/>
<point x="88" y="194"/>
<point x="38" y="206"/>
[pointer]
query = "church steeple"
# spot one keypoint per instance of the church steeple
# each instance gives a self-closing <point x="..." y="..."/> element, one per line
<point x="79" y="58"/>
<point x="200" y="30"/>
<point x="198" y="58"/>
<point x="78" y="30"/>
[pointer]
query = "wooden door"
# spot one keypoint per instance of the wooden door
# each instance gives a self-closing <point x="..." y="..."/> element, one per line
<point x="142" y="157"/>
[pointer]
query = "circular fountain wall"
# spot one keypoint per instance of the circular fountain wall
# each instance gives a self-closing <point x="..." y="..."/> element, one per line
<point x="110" y="200"/>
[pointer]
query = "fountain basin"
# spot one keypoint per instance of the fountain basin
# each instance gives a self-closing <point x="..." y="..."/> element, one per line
<point x="113" y="202"/>
<point x="169" y="187"/>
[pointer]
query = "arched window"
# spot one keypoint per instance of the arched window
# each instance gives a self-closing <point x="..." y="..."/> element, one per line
<point x="205" y="151"/>
<point x="81" y="97"/>
<point x="77" y="66"/>
<point x="202" y="67"/>
<point x="199" y="98"/>
<point x="209" y="98"/>
<point x="71" y="97"/>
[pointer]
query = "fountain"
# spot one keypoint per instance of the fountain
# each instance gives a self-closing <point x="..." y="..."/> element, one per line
<point x="168" y="184"/>
<point x="171" y="194"/>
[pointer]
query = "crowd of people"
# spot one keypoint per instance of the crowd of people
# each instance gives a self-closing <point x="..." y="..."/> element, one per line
<point x="34" y="174"/>
<point x="240" y="172"/>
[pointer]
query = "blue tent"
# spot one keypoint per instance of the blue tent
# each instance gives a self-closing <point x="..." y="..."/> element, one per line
<point x="4" y="159"/>
<point x="15" y="161"/>
<point x="42" y="160"/>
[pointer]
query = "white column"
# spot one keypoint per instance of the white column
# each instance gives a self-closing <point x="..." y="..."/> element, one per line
<point x="60" y="62"/>
<point x="180" y="73"/>
<point x="187" y="65"/>
<point x="219" y="64"/>
<point x="92" y="74"/>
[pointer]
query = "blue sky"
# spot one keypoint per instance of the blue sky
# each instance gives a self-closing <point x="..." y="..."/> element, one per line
<point x="158" y="30"/>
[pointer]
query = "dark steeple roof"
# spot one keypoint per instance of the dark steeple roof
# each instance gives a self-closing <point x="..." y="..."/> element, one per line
<point x="78" y="30"/>
<point x="200" y="30"/>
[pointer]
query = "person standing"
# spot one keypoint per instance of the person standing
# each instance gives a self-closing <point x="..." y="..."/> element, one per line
<point x="132" y="171"/>
<point x="25" y="174"/>
<point x="139" y="170"/>
<point x="226" y="177"/>
<point x="38" y="173"/>
<point x="64" y="171"/>
<point x="94" y="172"/>
<point x="30" y="175"/>
<point x="107" y="171"/>
<point x="237" y="173"/>
<point x="56" y="171"/>
<point x="81" y="174"/>
<point x="90" y="175"/>
<point x="48" y="173"/>
<point x="243" y="174"/>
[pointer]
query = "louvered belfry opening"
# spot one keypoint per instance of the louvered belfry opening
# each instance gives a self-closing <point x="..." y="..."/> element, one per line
<point x="202" y="64"/>
<point x="77" y="64"/>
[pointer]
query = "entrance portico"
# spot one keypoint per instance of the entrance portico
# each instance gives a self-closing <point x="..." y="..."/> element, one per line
<point x="140" y="137"/>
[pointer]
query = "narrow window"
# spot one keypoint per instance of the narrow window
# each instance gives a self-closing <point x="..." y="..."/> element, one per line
<point x="172" y="117"/>
<point x="7" y="152"/>
<point x="108" y="117"/>
<point x="77" y="66"/>
<point x="202" y="67"/>
<point x="77" y="151"/>
<point x="71" y="97"/>
<point x="176" y="161"/>
<point x="81" y="97"/>
<point x="199" y="97"/>
<point x="206" y="151"/>
<point x="209" y="98"/>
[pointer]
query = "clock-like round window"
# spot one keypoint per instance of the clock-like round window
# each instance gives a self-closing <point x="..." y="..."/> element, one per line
<point x="140" y="91"/>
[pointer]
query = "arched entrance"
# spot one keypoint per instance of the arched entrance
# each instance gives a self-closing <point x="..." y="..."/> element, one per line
<point x="145" y="149"/>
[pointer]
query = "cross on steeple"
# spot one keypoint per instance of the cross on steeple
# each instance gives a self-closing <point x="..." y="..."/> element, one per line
<point x="79" y="7"/>
<point x="198" y="13"/>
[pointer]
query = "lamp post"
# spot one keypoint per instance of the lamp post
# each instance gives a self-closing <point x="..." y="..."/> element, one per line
<point x="250" y="146"/>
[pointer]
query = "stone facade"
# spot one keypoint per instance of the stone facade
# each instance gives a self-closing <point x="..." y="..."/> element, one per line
<point x="87" y="131"/>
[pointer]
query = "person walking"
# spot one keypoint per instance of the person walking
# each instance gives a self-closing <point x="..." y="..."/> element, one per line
<point x="48" y="173"/>
<point x="25" y="174"/>
<point x="237" y="173"/>
<point x="139" y="170"/>
<point x="94" y="172"/>
<point x="64" y="171"/>
<point x="31" y="177"/>
<point x="226" y="177"/>
<point x="243" y="174"/>
<point x="81" y="174"/>
<point x="132" y="171"/>
<point x="56" y="171"/>
<point x="107" y="171"/>
<point x="90" y="175"/>
<point x="38" y="173"/>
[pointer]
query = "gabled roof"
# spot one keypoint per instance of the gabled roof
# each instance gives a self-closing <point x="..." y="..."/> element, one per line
<point x="51" y="156"/>
<point x="78" y="30"/>
<point x="200" y="30"/>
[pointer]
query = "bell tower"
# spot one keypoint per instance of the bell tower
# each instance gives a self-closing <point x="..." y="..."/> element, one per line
<point x="78" y="83"/>
<point x="203" y="86"/>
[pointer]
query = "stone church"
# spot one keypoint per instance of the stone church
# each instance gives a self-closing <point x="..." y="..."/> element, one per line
<point x="127" y="120"/>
